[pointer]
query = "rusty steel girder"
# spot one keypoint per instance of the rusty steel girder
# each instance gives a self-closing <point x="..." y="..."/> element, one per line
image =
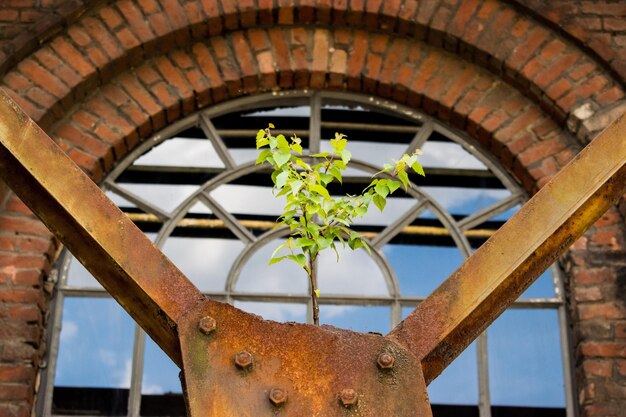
<point x="237" y="364"/>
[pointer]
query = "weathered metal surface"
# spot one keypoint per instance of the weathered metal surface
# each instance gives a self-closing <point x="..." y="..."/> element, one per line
<point x="227" y="354"/>
<point x="493" y="277"/>
<point x="153" y="291"/>
<point x="237" y="364"/>
<point x="294" y="369"/>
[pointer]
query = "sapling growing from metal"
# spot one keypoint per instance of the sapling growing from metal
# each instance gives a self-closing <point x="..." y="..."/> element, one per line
<point x="316" y="219"/>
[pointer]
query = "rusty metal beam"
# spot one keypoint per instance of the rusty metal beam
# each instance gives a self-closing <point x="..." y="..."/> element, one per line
<point x="153" y="291"/>
<point x="296" y="369"/>
<point x="497" y="274"/>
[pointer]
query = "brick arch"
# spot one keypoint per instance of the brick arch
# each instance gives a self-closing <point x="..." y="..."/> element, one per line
<point x="114" y="36"/>
<point x="107" y="124"/>
<point x="105" y="115"/>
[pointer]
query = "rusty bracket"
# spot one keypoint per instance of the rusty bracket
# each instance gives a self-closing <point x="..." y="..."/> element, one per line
<point x="294" y="369"/>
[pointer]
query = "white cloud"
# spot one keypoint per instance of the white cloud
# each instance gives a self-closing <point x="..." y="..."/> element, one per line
<point x="108" y="357"/>
<point x="69" y="330"/>
<point x="189" y="152"/>
<point x="123" y="375"/>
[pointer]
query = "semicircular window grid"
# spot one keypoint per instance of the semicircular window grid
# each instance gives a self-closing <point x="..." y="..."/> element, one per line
<point x="196" y="190"/>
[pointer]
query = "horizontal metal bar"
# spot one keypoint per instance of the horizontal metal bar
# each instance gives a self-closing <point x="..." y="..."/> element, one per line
<point x="501" y="269"/>
<point x="326" y="299"/>
<point x="268" y="225"/>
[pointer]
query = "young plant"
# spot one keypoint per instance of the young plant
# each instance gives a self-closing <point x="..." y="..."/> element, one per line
<point x="316" y="220"/>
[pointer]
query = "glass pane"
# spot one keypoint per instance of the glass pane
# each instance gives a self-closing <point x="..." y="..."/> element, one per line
<point x="458" y="383"/>
<point x="206" y="262"/>
<point x="525" y="365"/>
<point x="448" y="155"/>
<point x="160" y="375"/>
<point x="182" y="152"/>
<point x="465" y="201"/>
<point x="275" y="311"/>
<point x="420" y="269"/>
<point x="395" y="208"/>
<point x="95" y="358"/>
<point x="247" y="199"/>
<point x="376" y="154"/>
<point x="120" y="201"/>
<point x="542" y="288"/>
<point x="164" y="196"/>
<point x="358" y="318"/>
<point x="355" y="273"/>
<point x="282" y="278"/>
<point x="78" y="276"/>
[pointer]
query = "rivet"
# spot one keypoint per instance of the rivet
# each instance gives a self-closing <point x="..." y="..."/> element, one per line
<point x="278" y="396"/>
<point x="207" y="324"/>
<point x="243" y="360"/>
<point x="348" y="397"/>
<point x="385" y="361"/>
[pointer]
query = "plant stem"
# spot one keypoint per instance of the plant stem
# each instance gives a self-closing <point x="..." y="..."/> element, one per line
<point x="313" y="278"/>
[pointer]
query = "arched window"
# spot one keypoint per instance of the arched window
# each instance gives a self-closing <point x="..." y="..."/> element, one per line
<point x="195" y="190"/>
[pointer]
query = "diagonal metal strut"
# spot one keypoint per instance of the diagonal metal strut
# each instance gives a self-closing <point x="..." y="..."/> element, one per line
<point x="294" y="368"/>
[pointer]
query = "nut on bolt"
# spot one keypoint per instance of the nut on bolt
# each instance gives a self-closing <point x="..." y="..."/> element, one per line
<point x="207" y="324"/>
<point x="278" y="396"/>
<point x="385" y="361"/>
<point x="348" y="397"/>
<point x="243" y="360"/>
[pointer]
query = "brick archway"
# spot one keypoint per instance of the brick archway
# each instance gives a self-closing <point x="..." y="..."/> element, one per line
<point x="109" y="82"/>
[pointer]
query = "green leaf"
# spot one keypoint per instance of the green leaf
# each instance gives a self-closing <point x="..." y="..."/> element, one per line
<point x="281" y="158"/>
<point x="261" y="140"/>
<point x="321" y="155"/>
<point x="318" y="294"/>
<point x="320" y="190"/>
<point x="345" y="156"/>
<point x="417" y="167"/>
<point x="278" y="249"/>
<point x="273" y="142"/>
<point x="339" y="164"/>
<point x="276" y="260"/>
<point x="393" y="185"/>
<point x="296" y="148"/>
<point x="360" y="210"/>
<point x="281" y="179"/>
<point x="302" y="164"/>
<point x="382" y="189"/>
<point x="336" y="173"/>
<point x="324" y="242"/>
<point x="270" y="125"/>
<point x="339" y="143"/>
<point x="302" y="242"/>
<point x="300" y="259"/>
<point x="296" y="186"/>
<point x="326" y="178"/>
<point x="263" y="155"/>
<point x="379" y="201"/>
<point x="404" y="177"/>
<point x="282" y="144"/>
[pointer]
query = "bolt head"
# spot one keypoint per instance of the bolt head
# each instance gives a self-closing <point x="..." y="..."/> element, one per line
<point x="243" y="360"/>
<point x="348" y="397"/>
<point x="278" y="396"/>
<point x="207" y="324"/>
<point x="385" y="361"/>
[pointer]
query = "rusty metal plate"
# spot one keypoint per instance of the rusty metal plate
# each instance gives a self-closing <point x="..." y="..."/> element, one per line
<point x="237" y="364"/>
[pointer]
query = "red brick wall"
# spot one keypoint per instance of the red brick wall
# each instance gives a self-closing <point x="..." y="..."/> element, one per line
<point x="122" y="70"/>
<point x="599" y="26"/>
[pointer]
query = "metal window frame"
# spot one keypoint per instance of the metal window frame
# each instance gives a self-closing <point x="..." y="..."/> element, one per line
<point x="395" y="300"/>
